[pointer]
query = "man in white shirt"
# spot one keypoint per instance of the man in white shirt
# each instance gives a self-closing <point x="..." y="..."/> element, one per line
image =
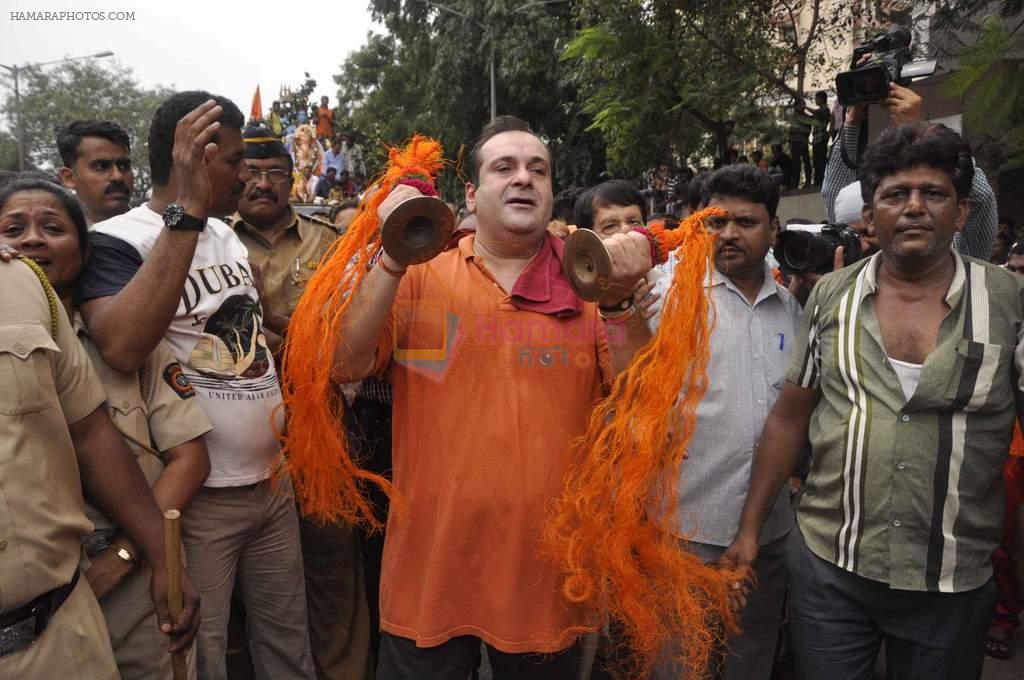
<point x="171" y="270"/>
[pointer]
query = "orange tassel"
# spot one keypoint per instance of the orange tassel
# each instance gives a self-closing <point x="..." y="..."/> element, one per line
<point x="614" y="528"/>
<point x="328" y="483"/>
<point x="1017" y="445"/>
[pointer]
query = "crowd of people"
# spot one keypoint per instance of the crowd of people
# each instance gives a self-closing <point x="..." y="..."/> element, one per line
<point x="809" y="134"/>
<point x="849" y="460"/>
<point x="327" y="165"/>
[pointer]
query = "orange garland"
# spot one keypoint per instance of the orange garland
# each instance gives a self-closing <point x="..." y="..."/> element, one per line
<point x="613" y="530"/>
<point x="328" y="483"/>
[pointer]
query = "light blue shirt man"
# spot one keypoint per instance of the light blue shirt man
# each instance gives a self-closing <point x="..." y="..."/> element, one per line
<point x="750" y="353"/>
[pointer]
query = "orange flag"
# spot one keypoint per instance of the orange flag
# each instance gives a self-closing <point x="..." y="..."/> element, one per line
<point x="257" y="106"/>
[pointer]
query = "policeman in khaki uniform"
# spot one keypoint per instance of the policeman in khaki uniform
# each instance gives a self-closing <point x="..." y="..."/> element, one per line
<point x="163" y="426"/>
<point x="284" y="250"/>
<point x="54" y="439"/>
<point x="284" y="246"/>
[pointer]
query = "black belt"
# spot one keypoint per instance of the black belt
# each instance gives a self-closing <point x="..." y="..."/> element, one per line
<point x="21" y="627"/>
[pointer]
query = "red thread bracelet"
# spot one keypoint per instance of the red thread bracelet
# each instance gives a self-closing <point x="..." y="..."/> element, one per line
<point x="389" y="270"/>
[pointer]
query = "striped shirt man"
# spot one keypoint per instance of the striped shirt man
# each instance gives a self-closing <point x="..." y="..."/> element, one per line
<point x="978" y="234"/>
<point x="903" y="491"/>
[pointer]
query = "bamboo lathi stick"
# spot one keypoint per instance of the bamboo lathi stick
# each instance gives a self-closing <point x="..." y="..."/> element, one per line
<point x="175" y="603"/>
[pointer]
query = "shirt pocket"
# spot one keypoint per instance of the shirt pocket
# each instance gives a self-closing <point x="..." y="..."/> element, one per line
<point x="980" y="380"/>
<point x="26" y="373"/>
<point x="299" y="277"/>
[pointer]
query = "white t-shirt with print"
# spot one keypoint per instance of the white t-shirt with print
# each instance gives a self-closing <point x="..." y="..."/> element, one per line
<point x="217" y="337"/>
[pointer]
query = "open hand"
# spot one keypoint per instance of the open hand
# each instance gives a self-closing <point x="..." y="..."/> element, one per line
<point x="193" y="151"/>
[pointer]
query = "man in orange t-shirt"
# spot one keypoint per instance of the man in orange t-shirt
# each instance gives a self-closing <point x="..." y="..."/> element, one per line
<point x="495" y="364"/>
<point x="324" y="121"/>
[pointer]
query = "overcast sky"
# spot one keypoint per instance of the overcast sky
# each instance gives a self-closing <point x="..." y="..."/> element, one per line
<point x="224" y="46"/>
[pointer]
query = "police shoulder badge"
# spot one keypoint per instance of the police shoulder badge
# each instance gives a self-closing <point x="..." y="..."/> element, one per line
<point x="176" y="378"/>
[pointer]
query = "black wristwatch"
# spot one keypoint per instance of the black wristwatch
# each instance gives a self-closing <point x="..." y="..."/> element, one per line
<point x="176" y="219"/>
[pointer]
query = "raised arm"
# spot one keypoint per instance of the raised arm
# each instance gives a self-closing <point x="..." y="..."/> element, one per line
<point x="127" y="325"/>
<point x="982" y="221"/>
<point x="355" y="353"/>
<point x="837" y="173"/>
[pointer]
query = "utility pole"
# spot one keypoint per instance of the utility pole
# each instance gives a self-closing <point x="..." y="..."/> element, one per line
<point x="15" y="70"/>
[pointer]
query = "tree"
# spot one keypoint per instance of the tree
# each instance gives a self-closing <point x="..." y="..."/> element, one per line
<point x="429" y="74"/>
<point x="54" y="96"/>
<point x="663" y="78"/>
<point x="8" y="152"/>
<point x="988" y="40"/>
<point x="659" y="92"/>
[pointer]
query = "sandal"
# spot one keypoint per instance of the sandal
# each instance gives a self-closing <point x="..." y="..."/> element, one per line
<point x="999" y="644"/>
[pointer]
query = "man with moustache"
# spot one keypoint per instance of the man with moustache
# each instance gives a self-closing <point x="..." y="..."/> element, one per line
<point x="97" y="167"/>
<point x="841" y="202"/>
<point x="170" y="269"/>
<point x="482" y="430"/>
<point x="755" y="326"/>
<point x="906" y="380"/>
<point x="284" y="246"/>
<point x="284" y="251"/>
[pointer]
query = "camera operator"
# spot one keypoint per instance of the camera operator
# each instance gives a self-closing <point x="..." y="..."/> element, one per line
<point x="906" y="106"/>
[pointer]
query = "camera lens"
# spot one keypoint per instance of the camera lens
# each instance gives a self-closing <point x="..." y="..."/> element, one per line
<point x="794" y="250"/>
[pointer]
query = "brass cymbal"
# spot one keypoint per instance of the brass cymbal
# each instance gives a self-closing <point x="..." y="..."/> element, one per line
<point x="586" y="264"/>
<point x="417" y="229"/>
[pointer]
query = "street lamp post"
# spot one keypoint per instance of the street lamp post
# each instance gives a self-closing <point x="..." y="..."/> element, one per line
<point x="487" y="30"/>
<point x="14" y="71"/>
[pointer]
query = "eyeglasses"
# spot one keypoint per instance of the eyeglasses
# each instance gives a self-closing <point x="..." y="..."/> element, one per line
<point x="274" y="176"/>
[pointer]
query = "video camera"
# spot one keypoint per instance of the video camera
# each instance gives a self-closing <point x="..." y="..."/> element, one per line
<point x="891" y="63"/>
<point x="811" y="247"/>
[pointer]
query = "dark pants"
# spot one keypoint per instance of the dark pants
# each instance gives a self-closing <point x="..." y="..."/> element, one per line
<point x="372" y="431"/>
<point x="751" y="653"/>
<point x="839" y="621"/>
<point x="801" y="160"/>
<point x="401" y="659"/>
<point x="820" y="159"/>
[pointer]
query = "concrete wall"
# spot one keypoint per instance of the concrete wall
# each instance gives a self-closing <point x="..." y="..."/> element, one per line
<point x="804" y="204"/>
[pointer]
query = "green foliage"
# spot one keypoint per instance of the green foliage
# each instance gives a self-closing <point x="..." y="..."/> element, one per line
<point x="296" y="99"/>
<point x="620" y="86"/>
<point x="8" y="152"/>
<point x="56" y="95"/>
<point x="662" y="77"/>
<point x="430" y="74"/>
<point x="990" y="78"/>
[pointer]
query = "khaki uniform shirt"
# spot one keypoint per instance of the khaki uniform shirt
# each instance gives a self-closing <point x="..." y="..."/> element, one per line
<point x="910" y="492"/>
<point x="46" y="384"/>
<point x="286" y="267"/>
<point x="153" y="408"/>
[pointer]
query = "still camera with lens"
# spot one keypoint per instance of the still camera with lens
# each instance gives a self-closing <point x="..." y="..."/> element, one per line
<point x="802" y="252"/>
